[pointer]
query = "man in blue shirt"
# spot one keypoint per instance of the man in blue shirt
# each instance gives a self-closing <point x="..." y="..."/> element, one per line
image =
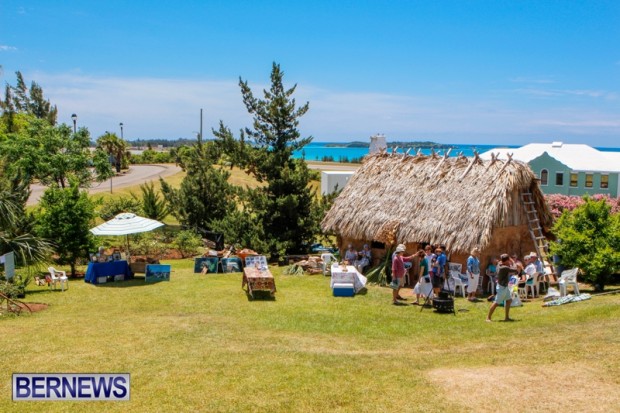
<point x="439" y="270"/>
<point x="537" y="263"/>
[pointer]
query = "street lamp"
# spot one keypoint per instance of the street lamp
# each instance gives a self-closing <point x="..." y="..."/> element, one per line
<point x="74" y="118"/>
<point x="121" y="125"/>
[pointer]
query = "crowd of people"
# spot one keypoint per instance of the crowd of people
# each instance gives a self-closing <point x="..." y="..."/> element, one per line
<point x="429" y="271"/>
<point x="359" y="259"/>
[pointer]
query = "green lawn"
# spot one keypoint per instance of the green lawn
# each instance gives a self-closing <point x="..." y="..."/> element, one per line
<point x="197" y="343"/>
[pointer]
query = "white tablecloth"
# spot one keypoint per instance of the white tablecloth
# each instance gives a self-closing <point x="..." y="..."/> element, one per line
<point x="339" y="275"/>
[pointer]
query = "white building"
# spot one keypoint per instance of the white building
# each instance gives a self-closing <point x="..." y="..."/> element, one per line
<point x="569" y="169"/>
<point x="334" y="180"/>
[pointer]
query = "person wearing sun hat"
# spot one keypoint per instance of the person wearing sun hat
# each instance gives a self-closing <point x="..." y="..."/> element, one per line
<point x="398" y="272"/>
<point x="537" y="262"/>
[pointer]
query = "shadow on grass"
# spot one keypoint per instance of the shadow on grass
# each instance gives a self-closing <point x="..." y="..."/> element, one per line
<point x="134" y="282"/>
<point x="261" y="296"/>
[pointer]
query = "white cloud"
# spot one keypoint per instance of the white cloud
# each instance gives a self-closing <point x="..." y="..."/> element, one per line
<point x="5" y="48"/>
<point x="595" y="94"/>
<point x="169" y="108"/>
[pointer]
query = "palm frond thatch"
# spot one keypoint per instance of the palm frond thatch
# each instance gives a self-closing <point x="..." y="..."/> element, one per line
<point x="456" y="201"/>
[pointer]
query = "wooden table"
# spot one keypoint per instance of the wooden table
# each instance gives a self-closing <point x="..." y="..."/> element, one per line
<point x="258" y="280"/>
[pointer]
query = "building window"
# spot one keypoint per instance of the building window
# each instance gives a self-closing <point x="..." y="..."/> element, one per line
<point x="604" y="181"/>
<point x="559" y="178"/>
<point x="544" y="177"/>
<point x="589" y="180"/>
<point x="573" y="179"/>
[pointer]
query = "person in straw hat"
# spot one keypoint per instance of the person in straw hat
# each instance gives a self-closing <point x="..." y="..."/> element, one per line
<point x="398" y="272"/>
<point x="537" y="262"/>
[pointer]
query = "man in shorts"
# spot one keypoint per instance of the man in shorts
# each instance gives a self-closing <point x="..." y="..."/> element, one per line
<point x="503" y="293"/>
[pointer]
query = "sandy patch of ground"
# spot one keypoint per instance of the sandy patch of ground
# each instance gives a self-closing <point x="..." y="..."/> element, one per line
<point x="559" y="387"/>
<point x="34" y="307"/>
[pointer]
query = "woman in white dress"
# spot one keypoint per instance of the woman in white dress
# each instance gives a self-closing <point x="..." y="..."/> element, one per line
<point x="473" y="272"/>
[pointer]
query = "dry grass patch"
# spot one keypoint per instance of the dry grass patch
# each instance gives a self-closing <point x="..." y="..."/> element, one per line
<point x="570" y="386"/>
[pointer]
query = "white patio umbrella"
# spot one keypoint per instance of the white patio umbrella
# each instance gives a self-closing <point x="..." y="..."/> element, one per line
<point x="125" y="224"/>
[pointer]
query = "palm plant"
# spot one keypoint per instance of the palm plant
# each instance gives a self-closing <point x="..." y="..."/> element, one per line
<point x="14" y="226"/>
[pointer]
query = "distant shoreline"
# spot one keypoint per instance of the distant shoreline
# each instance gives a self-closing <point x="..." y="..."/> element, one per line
<point x="399" y="144"/>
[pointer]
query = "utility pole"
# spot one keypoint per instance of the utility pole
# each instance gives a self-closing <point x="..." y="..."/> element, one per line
<point x="200" y="136"/>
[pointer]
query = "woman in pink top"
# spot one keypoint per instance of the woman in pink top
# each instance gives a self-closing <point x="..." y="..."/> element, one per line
<point x="398" y="272"/>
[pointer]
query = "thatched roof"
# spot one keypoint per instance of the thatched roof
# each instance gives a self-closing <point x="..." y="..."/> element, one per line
<point x="455" y="201"/>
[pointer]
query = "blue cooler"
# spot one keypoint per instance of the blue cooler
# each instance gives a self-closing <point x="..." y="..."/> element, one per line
<point x="343" y="290"/>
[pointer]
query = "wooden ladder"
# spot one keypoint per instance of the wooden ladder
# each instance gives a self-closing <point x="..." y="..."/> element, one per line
<point x="541" y="244"/>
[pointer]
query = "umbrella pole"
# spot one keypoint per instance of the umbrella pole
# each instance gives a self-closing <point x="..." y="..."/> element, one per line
<point x="128" y="254"/>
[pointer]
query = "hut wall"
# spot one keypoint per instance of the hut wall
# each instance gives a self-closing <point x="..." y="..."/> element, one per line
<point x="377" y="253"/>
<point x="508" y="240"/>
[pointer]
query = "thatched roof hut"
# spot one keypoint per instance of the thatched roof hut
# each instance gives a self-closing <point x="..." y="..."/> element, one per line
<point x="459" y="202"/>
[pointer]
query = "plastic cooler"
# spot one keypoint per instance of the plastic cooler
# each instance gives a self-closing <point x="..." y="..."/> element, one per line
<point x="343" y="290"/>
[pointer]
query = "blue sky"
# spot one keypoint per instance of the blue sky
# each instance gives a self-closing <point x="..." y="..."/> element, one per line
<point x="480" y="72"/>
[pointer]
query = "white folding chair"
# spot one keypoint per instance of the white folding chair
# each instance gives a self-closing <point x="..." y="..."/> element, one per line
<point x="458" y="282"/>
<point x="491" y="286"/>
<point x="62" y="279"/>
<point x="532" y="285"/>
<point x="569" y="277"/>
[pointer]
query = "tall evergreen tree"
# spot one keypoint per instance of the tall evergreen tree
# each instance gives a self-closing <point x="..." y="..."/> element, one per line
<point x="205" y="194"/>
<point x="30" y="101"/>
<point x="285" y="204"/>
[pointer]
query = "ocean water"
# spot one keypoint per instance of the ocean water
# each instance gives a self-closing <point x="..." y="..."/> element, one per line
<point x="317" y="151"/>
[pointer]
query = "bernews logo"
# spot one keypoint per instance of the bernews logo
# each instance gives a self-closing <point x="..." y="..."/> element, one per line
<point x="70" y="386"/>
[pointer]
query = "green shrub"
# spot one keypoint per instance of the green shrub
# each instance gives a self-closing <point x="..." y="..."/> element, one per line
<point x="115" y="206"/>
<point x="15" y="287"/>
<point x="187" y="242"/>
<point x="589" y="238"/>
<point x="149" y="244"/>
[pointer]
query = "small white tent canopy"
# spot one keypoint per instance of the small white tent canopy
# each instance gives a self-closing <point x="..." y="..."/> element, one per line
<point x="125" y="224"/>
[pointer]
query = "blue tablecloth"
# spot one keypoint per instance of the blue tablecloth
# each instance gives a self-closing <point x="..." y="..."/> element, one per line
<point x="96" y="271"/>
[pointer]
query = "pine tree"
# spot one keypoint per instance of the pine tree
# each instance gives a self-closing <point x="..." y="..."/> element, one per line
<point x="205" y="194"/>
<point x="285" y="205"/>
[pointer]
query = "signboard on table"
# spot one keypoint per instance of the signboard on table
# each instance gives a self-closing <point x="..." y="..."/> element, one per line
<point x="157" y="272"/>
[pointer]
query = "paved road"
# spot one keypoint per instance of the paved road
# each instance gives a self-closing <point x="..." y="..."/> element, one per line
<point x="328" y="166"/>
<point x="136" y="175"/>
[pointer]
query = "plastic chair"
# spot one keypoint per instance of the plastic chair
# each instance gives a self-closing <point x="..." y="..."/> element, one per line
<point x="533" y="285"/>
<point x="569" y="277"/>
<point x="491" y="286"/>
<point x="458" y="282"/>
<point x="62" y="279"/>
<point x="327" y="259"/>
